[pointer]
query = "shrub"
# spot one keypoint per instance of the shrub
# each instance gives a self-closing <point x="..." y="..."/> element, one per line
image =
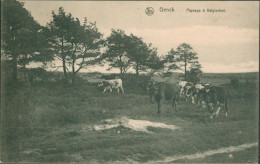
<point x="192" y="77"/>
<point x="135" y="83"/>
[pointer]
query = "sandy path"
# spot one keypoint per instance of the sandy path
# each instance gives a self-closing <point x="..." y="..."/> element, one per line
<point x="204" y="154"/>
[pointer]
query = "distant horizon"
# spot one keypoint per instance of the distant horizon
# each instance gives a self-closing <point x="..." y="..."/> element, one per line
<point x="173" y="72"/>
<point x="82" y="71"/>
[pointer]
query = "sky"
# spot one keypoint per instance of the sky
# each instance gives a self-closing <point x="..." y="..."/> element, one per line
<point x="225" y="41"/>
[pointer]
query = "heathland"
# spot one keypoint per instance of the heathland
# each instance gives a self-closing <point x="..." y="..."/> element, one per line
<point x="49" y="121"/>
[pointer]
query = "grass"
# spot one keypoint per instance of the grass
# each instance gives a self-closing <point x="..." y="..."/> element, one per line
<point x="51" y="122"/>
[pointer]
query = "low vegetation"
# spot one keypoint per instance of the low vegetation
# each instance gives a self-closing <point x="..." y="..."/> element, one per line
<point x="53" y="122"/>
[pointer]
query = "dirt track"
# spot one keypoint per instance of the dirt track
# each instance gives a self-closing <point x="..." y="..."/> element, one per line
<point x="207" y="153"/>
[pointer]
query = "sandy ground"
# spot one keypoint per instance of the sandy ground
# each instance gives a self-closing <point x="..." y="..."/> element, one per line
<point x="141" y="125"/>
<point x="207" y="153"/>
<point x="137" y="125"/>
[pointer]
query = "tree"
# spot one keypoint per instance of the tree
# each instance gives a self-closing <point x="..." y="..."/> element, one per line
<point x="22" y="41"/>
<point x="138" y="52"/>
<point x="88" y="42"/>
<point x="155" y="63"/>
<point x="171" y="63"/>
<point x="188" y="57"/>
<point x="59" y="35"/>
<point x="76" y="45"/>
<point x="116" y="52"/>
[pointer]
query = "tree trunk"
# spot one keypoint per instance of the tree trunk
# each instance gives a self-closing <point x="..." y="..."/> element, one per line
<point x="137" y="69"/>
<point x="64" y="68"/>
<point x="185" y="68"/>
<point x="73" y="79"/>
<point x="121" y="67"/>
<point x="73" y="66"/>
<point x="14" y="62"/>
<point x="63" y="61"/>
<point x="73" y="71"/>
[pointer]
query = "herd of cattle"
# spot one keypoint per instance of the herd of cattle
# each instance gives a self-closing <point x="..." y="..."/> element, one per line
<point x="208" y="96"/>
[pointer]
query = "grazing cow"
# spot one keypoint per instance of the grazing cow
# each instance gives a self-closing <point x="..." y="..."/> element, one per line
<point x="110" y="84"/>
<point x="215" y="97"/>
<point x="199" y="86"/>
<point x="168" y="92"/>
<point x="201" y="91"/>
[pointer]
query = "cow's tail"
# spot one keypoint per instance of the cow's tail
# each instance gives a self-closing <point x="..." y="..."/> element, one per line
<point x="226" y="108"/>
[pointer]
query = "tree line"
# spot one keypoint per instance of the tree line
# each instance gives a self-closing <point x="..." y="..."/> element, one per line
<point x="80" y="45"/>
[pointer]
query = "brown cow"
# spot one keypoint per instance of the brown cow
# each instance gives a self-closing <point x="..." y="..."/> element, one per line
<point x="166" y="91"/>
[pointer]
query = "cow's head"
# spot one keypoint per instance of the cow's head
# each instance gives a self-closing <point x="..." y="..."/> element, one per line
<point x="100" y="84"/>
<point x="205" y="98"/>
<point x="151" y="85"/>
<point x="191" y="90"/>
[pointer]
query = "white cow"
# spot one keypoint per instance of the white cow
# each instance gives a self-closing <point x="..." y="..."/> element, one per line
<point x="110" y="84"/>
<point x="199" y="86"/>
<point x="188" y="91"/>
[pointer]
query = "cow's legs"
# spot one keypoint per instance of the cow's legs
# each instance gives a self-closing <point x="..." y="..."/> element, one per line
<point x="226" y="108"/>
<point x="105" y="89"/>
<point x="159" y="106"/>
<point x="192" y="100"/>
<point x="199" y="101"/>
<point x="181" y="91"/>
<point x="211" y="110"/>
<point x="217" y="112"/>
<point x="174" y="103"/>
<point x="186" y="98"/>
<point x="151" y="98"/>
<point x="158" y="100"/>
<point x="122" y="89"/>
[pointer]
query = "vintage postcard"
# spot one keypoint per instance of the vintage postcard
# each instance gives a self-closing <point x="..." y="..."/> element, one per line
<point x="129" y="81"/>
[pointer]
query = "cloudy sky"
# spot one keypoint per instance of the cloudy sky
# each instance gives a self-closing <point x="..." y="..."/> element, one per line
<point x="225" y="41"/>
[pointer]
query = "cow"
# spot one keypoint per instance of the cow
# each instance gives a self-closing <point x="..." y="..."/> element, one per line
<point x="166" y="91"/>
<point x="188" y="89"/>
<point x="197" y="91"/>
<point x="215" y="97"/>
<point x="112" y="84"/>
<point x="198" y="87"/>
